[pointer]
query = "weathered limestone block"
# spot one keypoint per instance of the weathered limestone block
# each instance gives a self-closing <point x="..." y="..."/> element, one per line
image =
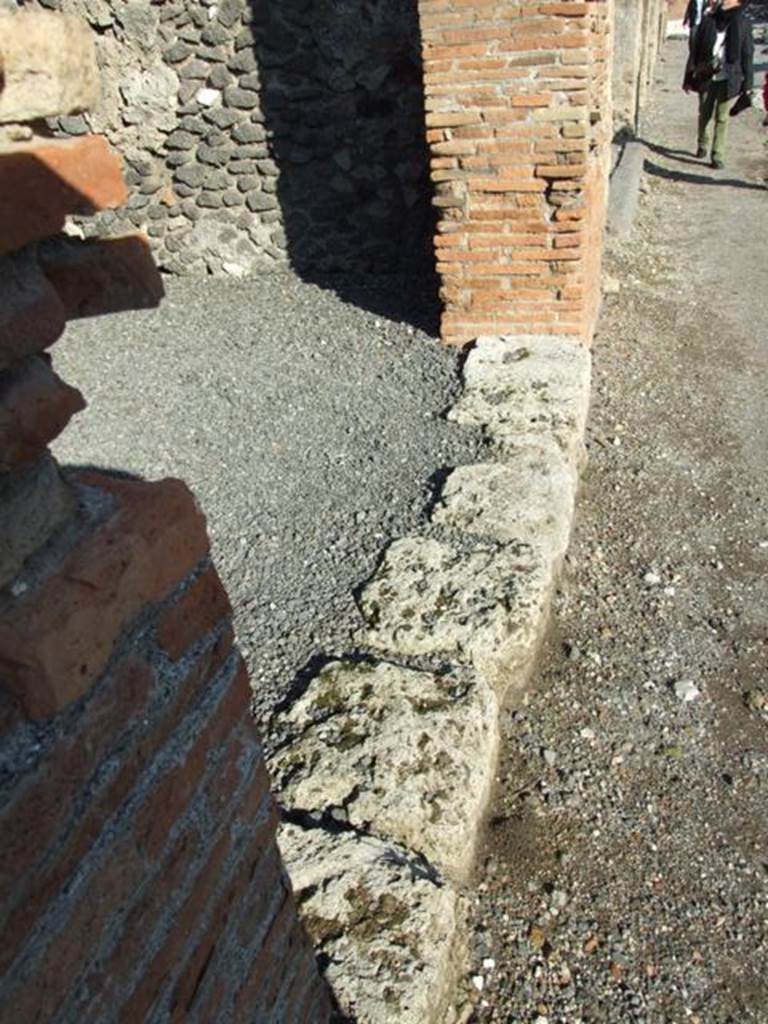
<point x="48" y="65"/>
<point x="528" y="498"/>
<point x="407" y="755"/>
<point x="32" y="316"/>
<point x="57" y="634"/>
<point x="35" y="406"/>
<point x="527" y="385"/>
<point x="34" y="502"/>
<point x="483" y="605"/>
<point x="45" y="180"/>
<point x="387" y="929"/>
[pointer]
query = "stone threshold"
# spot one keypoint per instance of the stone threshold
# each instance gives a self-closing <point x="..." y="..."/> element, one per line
<point x="390" y="756"/>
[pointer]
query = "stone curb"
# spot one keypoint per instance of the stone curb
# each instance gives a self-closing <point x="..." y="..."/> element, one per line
<point x="391" y="755"/>
<point x="625" y="189"/>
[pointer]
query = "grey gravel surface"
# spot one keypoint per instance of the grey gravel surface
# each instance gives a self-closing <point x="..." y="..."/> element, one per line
<point x="308" y="428"/>
<point x="625" y="873"/>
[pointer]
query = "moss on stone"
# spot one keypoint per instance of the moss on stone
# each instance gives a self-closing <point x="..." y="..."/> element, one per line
<point x="370" y="915"/>
<point x="328" y="699"/>
<point x="322" y="929"/>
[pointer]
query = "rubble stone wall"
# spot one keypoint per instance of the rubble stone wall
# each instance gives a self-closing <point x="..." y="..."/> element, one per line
<point x="140" y="877"/>
<point x="262" y="134"/>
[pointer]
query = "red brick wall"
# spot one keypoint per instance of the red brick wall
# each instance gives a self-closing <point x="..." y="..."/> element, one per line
<point x="139" y="872"/>
<point x="517" y="100"/>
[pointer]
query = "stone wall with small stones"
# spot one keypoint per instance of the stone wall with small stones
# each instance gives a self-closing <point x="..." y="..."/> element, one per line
<point x="262" y="134"/>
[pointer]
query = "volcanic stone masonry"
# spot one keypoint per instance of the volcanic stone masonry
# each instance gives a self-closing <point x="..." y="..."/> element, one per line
<point x="259" y="134"/>
<point x="140" y="877"/>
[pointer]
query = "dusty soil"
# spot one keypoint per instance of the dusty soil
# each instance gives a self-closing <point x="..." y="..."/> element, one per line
<point x="625" y="873"/>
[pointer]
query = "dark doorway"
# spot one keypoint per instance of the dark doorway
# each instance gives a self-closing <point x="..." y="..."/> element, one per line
<point x="342" y="99"/>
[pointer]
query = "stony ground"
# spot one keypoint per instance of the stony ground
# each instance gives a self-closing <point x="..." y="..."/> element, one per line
<point x="625" y="874"/>
<point x="308" y="427"/>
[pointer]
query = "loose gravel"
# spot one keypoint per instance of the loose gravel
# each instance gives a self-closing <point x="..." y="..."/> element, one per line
<point x="309" y="427"/>
<point x="625" y="874"/>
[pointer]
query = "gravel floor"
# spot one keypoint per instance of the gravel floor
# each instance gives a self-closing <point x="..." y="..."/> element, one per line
<point x="625" y="875"/>
<point x="308" y="428"/>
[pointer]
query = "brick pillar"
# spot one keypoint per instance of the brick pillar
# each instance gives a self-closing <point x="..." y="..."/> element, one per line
<point x="139" y="872"/>
<point x="518" y="119"/>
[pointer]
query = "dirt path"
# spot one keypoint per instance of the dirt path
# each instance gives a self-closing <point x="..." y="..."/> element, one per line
<point x="625" y="875"/>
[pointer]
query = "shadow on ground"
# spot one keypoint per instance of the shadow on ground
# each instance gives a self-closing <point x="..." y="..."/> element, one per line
<point x="657" y="171"/>
<point x="683" y="156"/>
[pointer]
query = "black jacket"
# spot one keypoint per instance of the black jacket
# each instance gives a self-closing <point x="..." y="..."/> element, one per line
<point x="739" y="49"/>
<point x="689" y="17"/>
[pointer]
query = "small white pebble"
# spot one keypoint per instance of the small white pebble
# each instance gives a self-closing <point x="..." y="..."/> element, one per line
<point x="686" y="691"/>
<point x="489" y="963"/>
<point x="479" y="982"/>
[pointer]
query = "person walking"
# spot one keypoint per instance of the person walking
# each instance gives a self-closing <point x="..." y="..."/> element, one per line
<point x="722" y="68"/>
<point x="694" y="15"/>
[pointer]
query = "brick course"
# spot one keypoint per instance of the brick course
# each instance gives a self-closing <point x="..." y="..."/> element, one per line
<point x="35" y="406"/>
<point x="518" y="110"/>
<point x="57" y="637"/>
<point x="32" y="315"/>
<point x="44" y="181"/>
